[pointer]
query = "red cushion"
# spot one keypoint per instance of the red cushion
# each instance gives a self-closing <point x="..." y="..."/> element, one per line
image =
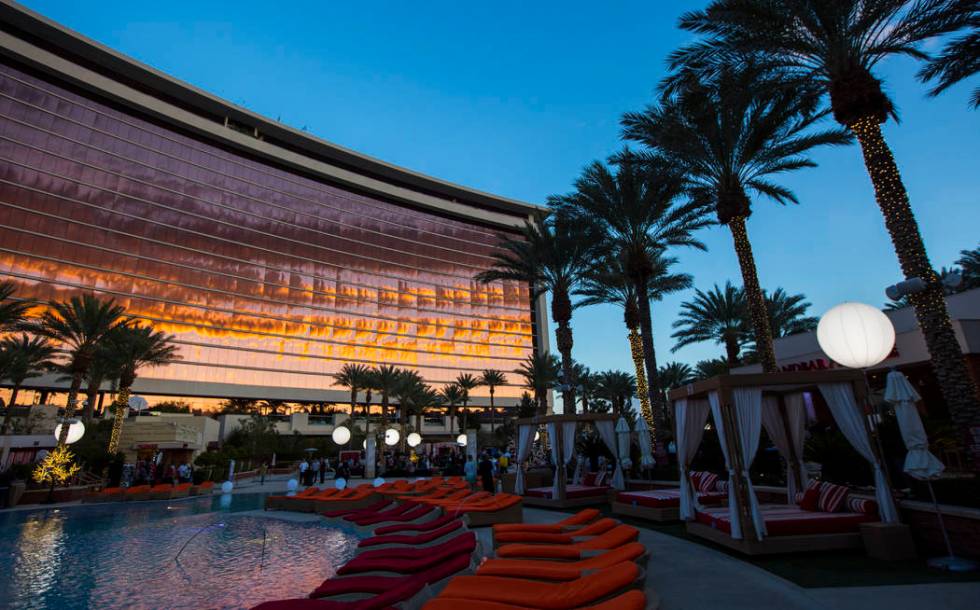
<point x="782" y="520"/>
<point x="811" y="500"/>
<point x="409" y="560"/>
<point x="414" y="539"/>
<point x="413" y="513"/>
<point x="589" y="479"/>
<point x="832" y="497"/>
<point x="368" y="514"/>
<point x="862" y="505"/>
<point x="380" y="584"/>
<point x="571" y="491"/>
<point x="426" y="526"/>
<point x="378" y="602"/>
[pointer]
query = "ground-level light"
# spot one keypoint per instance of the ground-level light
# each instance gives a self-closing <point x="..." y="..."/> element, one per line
<point x="461" y="440"/>
<point x="856" y="335"/>
<point x="76" y="430"/>
<point x="414" y="439"/>
<point x="341" y="435"/>
<point x="392" y="437"/>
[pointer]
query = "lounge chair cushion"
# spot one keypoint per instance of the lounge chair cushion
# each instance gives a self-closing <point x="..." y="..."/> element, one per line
<point x="665" y="498"/>
<point x="783" y="520"/>
<point x="380" y="584"/>
<point x="410" y="560"/>
<point x="536" y="569"/>
<point x="425" y="526"/>
<point x="453" y="525"/>
<point x="571" y="491"/>
<point x="633" y="599"/>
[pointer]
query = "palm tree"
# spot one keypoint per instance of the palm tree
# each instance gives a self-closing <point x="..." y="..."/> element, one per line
<point x="466" y="382"/>
<point x="452" y="395"/>
<point x="11" y="312"/>
<point x="969" y="264"/>
<point x="492" y="379"/>
<point x="425" y="397"/>
<point x="540" y="372"/>
<point x="608" y="282"/>
<point x="409" y="385"/>
<point x="78" y="325"/>
<point x="833" y="47"/>
<point x="552" y="253"/>
<point x="638" y="210"/>
<point x="136" y="347"/>
<point x="787" y="314"/>
<point x="105" y="367"/>
<point x="354" y="377"/>
<point x="706" y="369"/>
<point x="956" y="62"/>
<point x="731" y="133"/>
<point x="618" y="387"/>
<point x="23" y="357"/>
<point x="717" y="315"/>
<point x="386" y="379"/>
<point x="674" y="375"/>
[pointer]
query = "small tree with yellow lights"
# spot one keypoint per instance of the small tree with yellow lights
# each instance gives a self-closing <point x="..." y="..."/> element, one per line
<point x="57" y="468"/>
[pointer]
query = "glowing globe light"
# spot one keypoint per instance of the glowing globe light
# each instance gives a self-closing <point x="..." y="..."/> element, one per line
<point x="414" y="439"/>
<point x="537" y="436"/>
<point x="226" y="487"/>
<point x="364" y="444"/>
<point x="392" y="437"/>
<point x="340" y="483"/>
<point x="76" y="430"/>
<point x="461" y="440"/>
<point x="341" y="435"/>
<point x="378" y="482"/>
<point x="292" y="485"/>
<point x="856" y="335"/>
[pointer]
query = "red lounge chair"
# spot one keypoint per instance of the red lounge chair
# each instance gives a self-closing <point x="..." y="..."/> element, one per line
<point x="391" y="510"/>
<point x="383" y="601"/>
<point x="369" y="510"/>
<point x="409" y="560"/>
<point x="425" y="526"/>
<point x="631" y="600"/>
<point x="616" y="537"/>
<point x="379" y="584"/>
<point x="583" y="517"/>
<point x="586" y="590"/>
<point x="451" y="526"/>
<point x="543" y="569"/>
<point x="415" y="513"/>
<point x="593" y="529"/>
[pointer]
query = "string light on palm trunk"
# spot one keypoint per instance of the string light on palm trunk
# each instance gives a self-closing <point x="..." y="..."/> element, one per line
<point x="753" y="293"/>
<point x="636" y="350"/>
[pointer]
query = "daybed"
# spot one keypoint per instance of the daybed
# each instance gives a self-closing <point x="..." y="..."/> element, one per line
<point x="664" y="504"/>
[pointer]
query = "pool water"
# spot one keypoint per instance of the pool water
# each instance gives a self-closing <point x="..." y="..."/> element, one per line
<point x="208" y="552"/>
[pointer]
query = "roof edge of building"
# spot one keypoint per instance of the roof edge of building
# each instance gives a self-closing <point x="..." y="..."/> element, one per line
<point x="71" y="45"/>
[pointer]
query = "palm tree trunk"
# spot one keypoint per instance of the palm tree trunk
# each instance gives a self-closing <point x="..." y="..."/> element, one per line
<point x="353" y="404"/>
<point x="76" y="383"/>
<point x="731" y="351"/>
<point x="561" y="313"/>
<point x="657" y="403"/>
<point x="636" y="351"/>
<point x="493" y="413"/>
<point x="403" y="426"/>
<point x="957" y="387"/>
<point x="10" y="408"/>
<point x="119" y="406"/>
<point x="452" y="419"/>
<point x="91" y="395"/>
<point x="753" y="294"/>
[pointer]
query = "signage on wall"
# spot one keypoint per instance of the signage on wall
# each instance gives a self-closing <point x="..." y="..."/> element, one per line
<point x="822" y="364"/>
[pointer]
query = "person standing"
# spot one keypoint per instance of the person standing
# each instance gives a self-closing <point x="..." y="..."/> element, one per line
<point x="485" y="470"/>
<point x="262" y="470"/>
<point x="303" y="466"/>
<point x="322" y="470"/>
<point x="469" y="470"/>
<point x="314" y="471"/>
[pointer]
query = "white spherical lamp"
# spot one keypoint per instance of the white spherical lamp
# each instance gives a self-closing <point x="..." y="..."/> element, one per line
<point x="856" y="335"/>
<point x="461" y="440"/>
<point x="341" y="435"/>
<point x="226" y="487"/>
<point x="392" y="437"/>
<point x="292" y="484"/>
<point x="378" y="482"/>
<point x="76" y="430"/>
<point x="340" y="483"/>
<point x="414" y="439"/>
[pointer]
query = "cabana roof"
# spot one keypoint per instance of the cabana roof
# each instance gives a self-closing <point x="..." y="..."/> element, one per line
<point x="563" y="417"/>
<point x="773" y="383"/>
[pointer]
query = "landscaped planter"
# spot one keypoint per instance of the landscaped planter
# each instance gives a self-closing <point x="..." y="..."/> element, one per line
<point x="61" y="494"/>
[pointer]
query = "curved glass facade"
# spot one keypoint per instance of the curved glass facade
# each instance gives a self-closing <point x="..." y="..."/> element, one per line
<point x="266" y="277"/>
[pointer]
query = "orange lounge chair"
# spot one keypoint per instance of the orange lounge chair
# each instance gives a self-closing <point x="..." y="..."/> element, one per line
<point x="106" y="494"/>
<point x="543" y="569"/>
<point x="202" y="488"/>
<point x="593" y="529"/>
<point x="163" y="491"/>
<point x="284" y="501"/>
<point x="583" y="517"/>
<point x="361" y="496"/>
<point x="502" y="508"/>
<point x="633" y="599"/>
<point x="590" y="589"/>
<point x="616" y="537"/>
<point x="138" y="492"/>
<point x="182" y="491"/>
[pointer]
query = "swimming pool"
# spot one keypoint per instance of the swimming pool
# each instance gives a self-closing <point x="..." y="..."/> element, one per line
<point x="196" y="553"/>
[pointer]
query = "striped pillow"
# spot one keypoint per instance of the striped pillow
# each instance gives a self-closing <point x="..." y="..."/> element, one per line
<point x="831" y="497"/>
<point x="707" y="482"/>
<point x="862" y="505"/>
<point x="600" y="479"/>
<point x="695" y="477"/>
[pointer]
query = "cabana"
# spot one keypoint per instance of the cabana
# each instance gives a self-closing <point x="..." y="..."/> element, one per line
<point x="561" y="434"/>
<point x="740" y="406"/>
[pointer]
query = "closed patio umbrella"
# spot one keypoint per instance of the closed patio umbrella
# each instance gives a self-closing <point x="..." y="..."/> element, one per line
<point x="623" y="443"/>
<point x="643" y="437"/>
<point x="919" y="462"/>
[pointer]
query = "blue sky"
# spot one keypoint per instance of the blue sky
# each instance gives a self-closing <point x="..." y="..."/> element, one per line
<point x="516" y="99"/>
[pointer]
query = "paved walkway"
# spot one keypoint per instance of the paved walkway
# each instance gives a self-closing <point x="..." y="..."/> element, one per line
<point x="689" y="576"/>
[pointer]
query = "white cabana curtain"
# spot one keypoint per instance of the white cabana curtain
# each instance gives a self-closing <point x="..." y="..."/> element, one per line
<point x="748" y="417"/>
<point x="690" y="416"/>
<point x="579" y="469"/>
<point x="623" y="443"/>
<point x="646" y="447"/>
<point x="567" y="443"/>
<point x="555" y="456"/>
<point x="850" y="419"/>
<point x="796" y="420"/>
<point x="525" y="434"/>
<point x="733" y="516"/>
<point x="787" y="436"/>
<point x="919" y="462"/>
<point x="607" y="432"/>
